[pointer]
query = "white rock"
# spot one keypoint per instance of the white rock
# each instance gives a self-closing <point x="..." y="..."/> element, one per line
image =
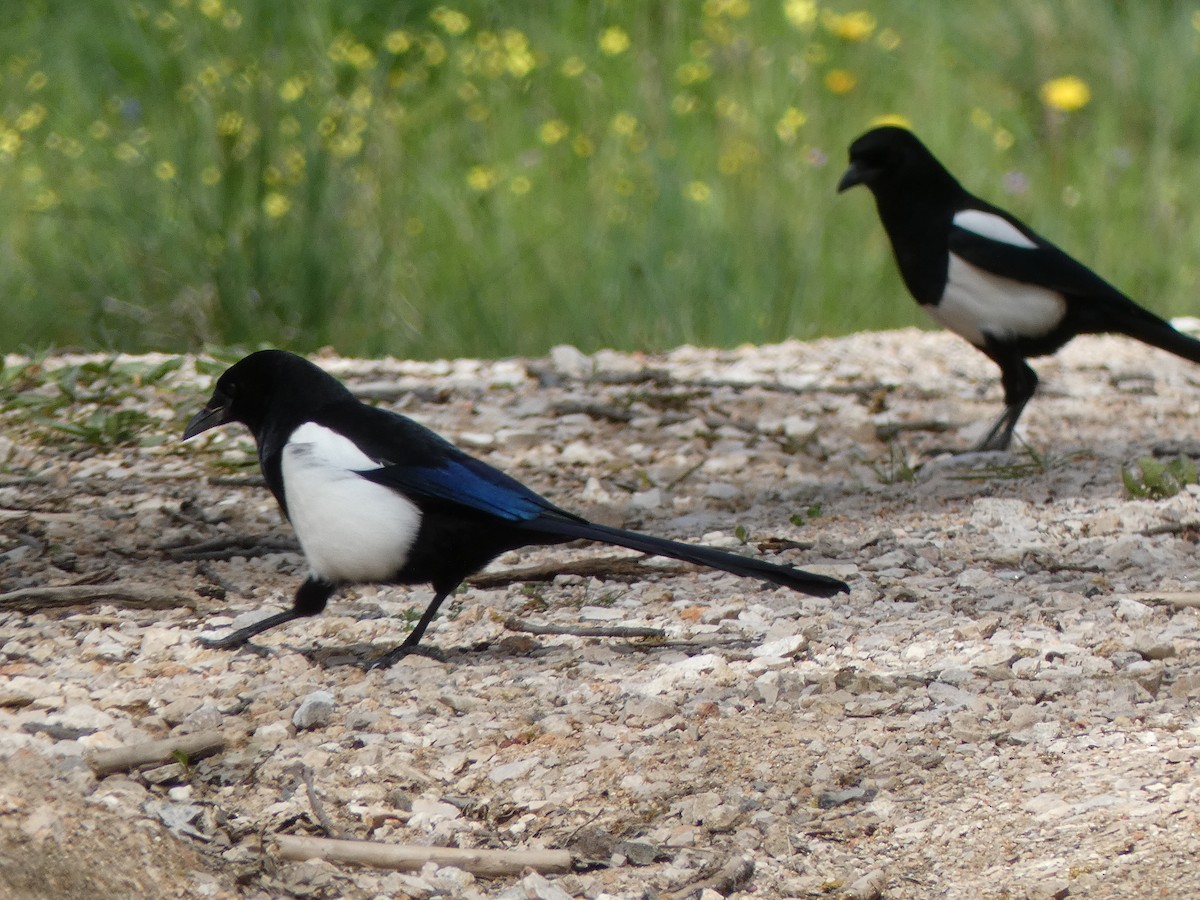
<point x="314" y="710"/>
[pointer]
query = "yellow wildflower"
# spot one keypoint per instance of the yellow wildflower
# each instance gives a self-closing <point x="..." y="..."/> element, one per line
<point x="31" y="118"/>
<point x="573" y="67"/>
<point x="735" y="9"/>
<point x="1003" y="138"/>
<point x="482" y="178"/>
<point x="692" y="72"/>
<point x="451" y="21"/>
<point x="614" y="41"/>
<point x="520" y="185"/>
<point x="840" y="81"/>
<point x="230" y="123"/>
<point x="435" y="50"/>
<point x="583" y="146"/>
<point x="697" y="192"/>
<point x="212" y="8"/>
<point x="397" y="42"/>
<point x="853" y="26"/>
<point x="553" y="131"/>
<point x="276" y="204"/>
<point x="164" y="170"/>
<point x="518" y="58"/>
<point x="36" y="82"/>
<point x="126" y="152"/>
<point x="210" y="175"/>
<point x="789" y="123"/>
<point x="291" y="90"/>
<point x="10" y="142"/>
<point x="345" y="145"/>
<point x="359" y="55"/>
<point x="165" y="21"/>
<point x="800" y="14"/>
<point x="624" y="123"/>
<point x="99" y="130"/>
<point x="361" y="99"/>
<point x="1067" y="93"/>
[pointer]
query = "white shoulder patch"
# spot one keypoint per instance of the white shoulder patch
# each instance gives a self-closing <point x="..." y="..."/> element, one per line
<point x="991" y="226"/>
<point x="350" y="529"/>
<point x="326" y="446"/>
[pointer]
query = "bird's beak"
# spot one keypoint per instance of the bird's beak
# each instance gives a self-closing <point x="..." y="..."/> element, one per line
<point x="209" y="417"/>
<point x="855" y="174"/>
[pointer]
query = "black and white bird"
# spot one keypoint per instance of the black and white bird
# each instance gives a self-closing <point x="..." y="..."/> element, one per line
<point x="986" y="275"/>
<point x="376" y="497"/>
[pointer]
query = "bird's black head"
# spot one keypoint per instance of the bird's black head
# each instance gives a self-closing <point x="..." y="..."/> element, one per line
<point x="267" y="385"/>
<point x="889" y="156"/>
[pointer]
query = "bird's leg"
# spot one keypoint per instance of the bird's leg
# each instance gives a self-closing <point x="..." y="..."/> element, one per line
<point x="1020" y="382"/>
<point x="310" y="599"/>
<point x="411" y="643"/>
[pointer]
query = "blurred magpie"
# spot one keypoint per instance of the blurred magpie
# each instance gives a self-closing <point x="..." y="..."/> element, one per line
<point x="376" y="497"/>
<point x="985" y="275"/>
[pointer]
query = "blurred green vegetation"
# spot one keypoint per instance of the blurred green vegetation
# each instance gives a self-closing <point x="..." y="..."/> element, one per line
<point x="485" y="178"/>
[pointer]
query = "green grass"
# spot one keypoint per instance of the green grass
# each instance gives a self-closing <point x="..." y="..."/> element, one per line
<point x="383" y="178"/>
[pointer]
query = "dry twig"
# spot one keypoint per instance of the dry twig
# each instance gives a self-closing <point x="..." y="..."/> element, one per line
<point x="193" y="746"/>
<point x="410" y="857"/>
<point x="732" y="877"/>
<point x="318" y="807"/>
<point x="134" y="596"/>
<point x="512" y="623"/>
<point x="1177" y="599"/>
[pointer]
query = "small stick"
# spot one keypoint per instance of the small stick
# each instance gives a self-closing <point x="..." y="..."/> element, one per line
<point x="247" y="545"/>
<point x="512" y="623"/>
<point x="411" y="857"/>
<point x="318" y="807"/>
<point x="134" y="596"/>
<point x="1178" y="599"/>
<point x="732" y="877"/>
<point x="193" y="746"/>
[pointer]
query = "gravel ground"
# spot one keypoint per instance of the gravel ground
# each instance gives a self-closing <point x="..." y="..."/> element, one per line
<point x="1004" y="706"/>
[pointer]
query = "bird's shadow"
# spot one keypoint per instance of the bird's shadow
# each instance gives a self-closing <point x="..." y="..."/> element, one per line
<point x="363" y="656"/>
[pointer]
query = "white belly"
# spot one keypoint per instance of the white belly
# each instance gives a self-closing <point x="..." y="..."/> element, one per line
<point x="350" y="529"/>
<point x="977" y="303"/>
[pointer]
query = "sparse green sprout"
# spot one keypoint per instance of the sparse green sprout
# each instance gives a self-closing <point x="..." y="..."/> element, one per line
<point x="1151" y="479"/>
<point x="740" y="533"/>
<point x="811" y="512"/>
<point x="895" y="468"/>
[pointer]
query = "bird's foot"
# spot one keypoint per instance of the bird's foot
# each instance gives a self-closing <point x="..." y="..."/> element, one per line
<point x="392" y="657"/>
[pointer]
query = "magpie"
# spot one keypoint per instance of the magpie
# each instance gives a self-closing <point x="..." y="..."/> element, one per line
<point x="376" y="497"/>
<point x="987" y="276"/>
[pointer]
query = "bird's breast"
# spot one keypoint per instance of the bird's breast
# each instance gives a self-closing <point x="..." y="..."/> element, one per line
<point x="350" y="529"/>
<point x="977" y="304"/>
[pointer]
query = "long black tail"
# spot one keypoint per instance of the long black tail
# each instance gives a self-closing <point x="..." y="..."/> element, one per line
<point x="786" y="576"/>
<point x="1150" y="329"/>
